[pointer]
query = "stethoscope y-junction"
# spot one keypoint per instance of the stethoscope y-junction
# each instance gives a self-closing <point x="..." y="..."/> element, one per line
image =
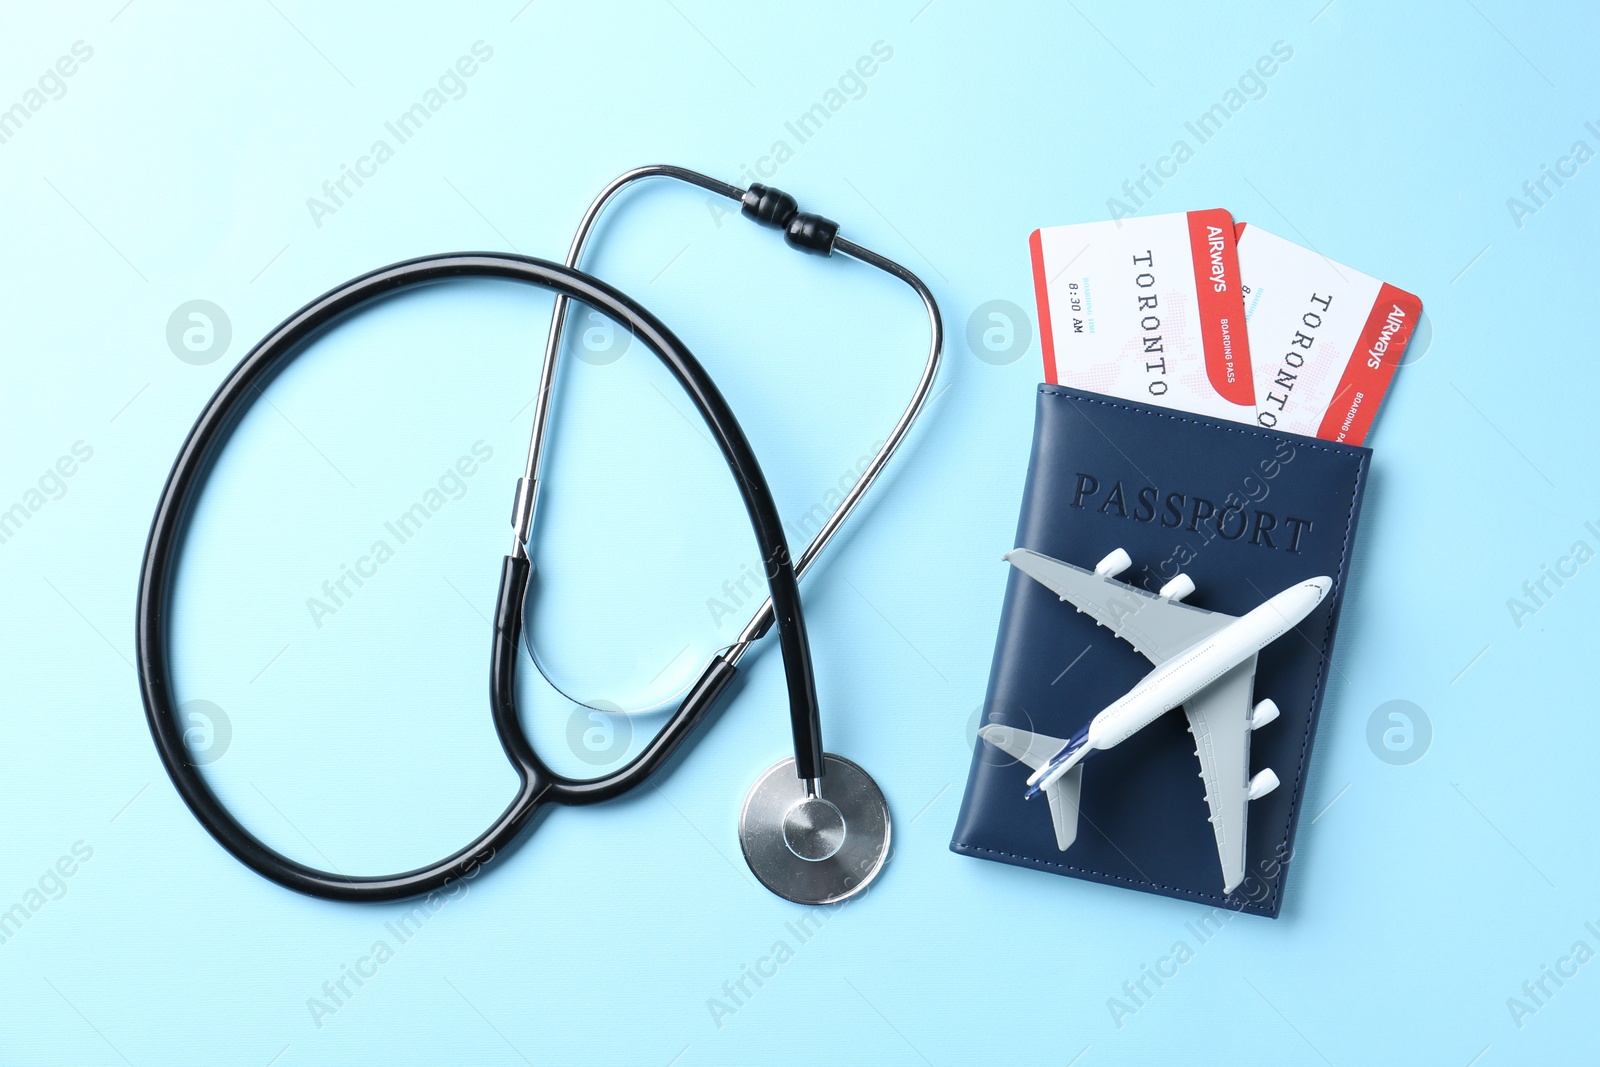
<point x="814" y="828"/>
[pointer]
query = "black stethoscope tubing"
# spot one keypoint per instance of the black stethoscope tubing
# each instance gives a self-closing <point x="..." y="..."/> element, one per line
<point x="538" y="785"/>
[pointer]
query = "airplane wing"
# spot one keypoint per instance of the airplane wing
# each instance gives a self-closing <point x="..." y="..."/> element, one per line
<point x="1158" y="627"/>
<point x="1219" y="719"/>
<point x="1035" y="750"/>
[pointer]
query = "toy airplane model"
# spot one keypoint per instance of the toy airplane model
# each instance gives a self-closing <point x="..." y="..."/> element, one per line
<point x="1204" y="660"/>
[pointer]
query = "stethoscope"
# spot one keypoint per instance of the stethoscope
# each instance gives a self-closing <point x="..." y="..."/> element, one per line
<point x="814" y="829"/>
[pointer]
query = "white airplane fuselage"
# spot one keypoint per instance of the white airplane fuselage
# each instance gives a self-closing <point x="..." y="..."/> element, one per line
<point x="1185" y="674"/>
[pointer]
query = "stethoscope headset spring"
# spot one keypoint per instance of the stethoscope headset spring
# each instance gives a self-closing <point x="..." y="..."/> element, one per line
<point x="815" y="828"/>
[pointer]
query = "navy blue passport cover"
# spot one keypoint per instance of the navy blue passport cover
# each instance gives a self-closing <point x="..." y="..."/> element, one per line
<point x="1108" y="473"/>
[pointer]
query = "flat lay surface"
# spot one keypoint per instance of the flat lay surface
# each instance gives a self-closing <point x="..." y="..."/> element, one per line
<point x="179" y="178"/>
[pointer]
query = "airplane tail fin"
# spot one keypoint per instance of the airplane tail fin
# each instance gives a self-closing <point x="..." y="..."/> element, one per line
<point x="1032" y="749"/>
<point x="1035" y="751"/>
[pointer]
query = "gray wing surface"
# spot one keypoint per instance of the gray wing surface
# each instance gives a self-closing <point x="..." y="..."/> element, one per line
<point x="1157" y="627"/>
<point x="1219" y="719"/>
<point x="1035" y="750"/>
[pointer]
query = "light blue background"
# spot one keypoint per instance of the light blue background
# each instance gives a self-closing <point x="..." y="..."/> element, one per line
<point x="177" y="165"/>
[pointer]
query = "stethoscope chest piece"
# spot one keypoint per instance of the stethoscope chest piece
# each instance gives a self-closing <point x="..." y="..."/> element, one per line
<point x="815" y="843"/>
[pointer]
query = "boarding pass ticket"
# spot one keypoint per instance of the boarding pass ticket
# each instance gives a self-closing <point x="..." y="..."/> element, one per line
<point x="1325" y="339"/>
<point x="1190" y="312"/>
<point x="1147" y="309"/>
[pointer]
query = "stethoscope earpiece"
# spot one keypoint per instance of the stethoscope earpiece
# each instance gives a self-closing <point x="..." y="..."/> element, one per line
<point x="815" y="841"/>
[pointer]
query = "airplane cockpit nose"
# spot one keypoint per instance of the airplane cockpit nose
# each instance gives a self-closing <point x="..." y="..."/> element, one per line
<point x="1321" y="585"/>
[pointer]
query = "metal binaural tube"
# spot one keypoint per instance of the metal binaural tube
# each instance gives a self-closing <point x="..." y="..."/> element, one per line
<point x="528" y="484"/>
<point x="762" y="619"/>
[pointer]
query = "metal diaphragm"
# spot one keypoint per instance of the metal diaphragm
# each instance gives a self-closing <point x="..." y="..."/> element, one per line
<point x="815" y="848"/>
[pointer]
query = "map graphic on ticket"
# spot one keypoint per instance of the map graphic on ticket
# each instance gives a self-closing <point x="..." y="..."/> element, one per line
<point x="1147" y="309"/>
<point x="1327" y="338"/>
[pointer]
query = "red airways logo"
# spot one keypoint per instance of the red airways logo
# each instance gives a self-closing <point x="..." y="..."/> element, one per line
<point x="1214" y="247"/>
<point x="1391" y="326"/>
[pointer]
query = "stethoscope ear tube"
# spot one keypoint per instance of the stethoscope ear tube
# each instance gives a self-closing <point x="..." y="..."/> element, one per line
<point x="537" y="784"/>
